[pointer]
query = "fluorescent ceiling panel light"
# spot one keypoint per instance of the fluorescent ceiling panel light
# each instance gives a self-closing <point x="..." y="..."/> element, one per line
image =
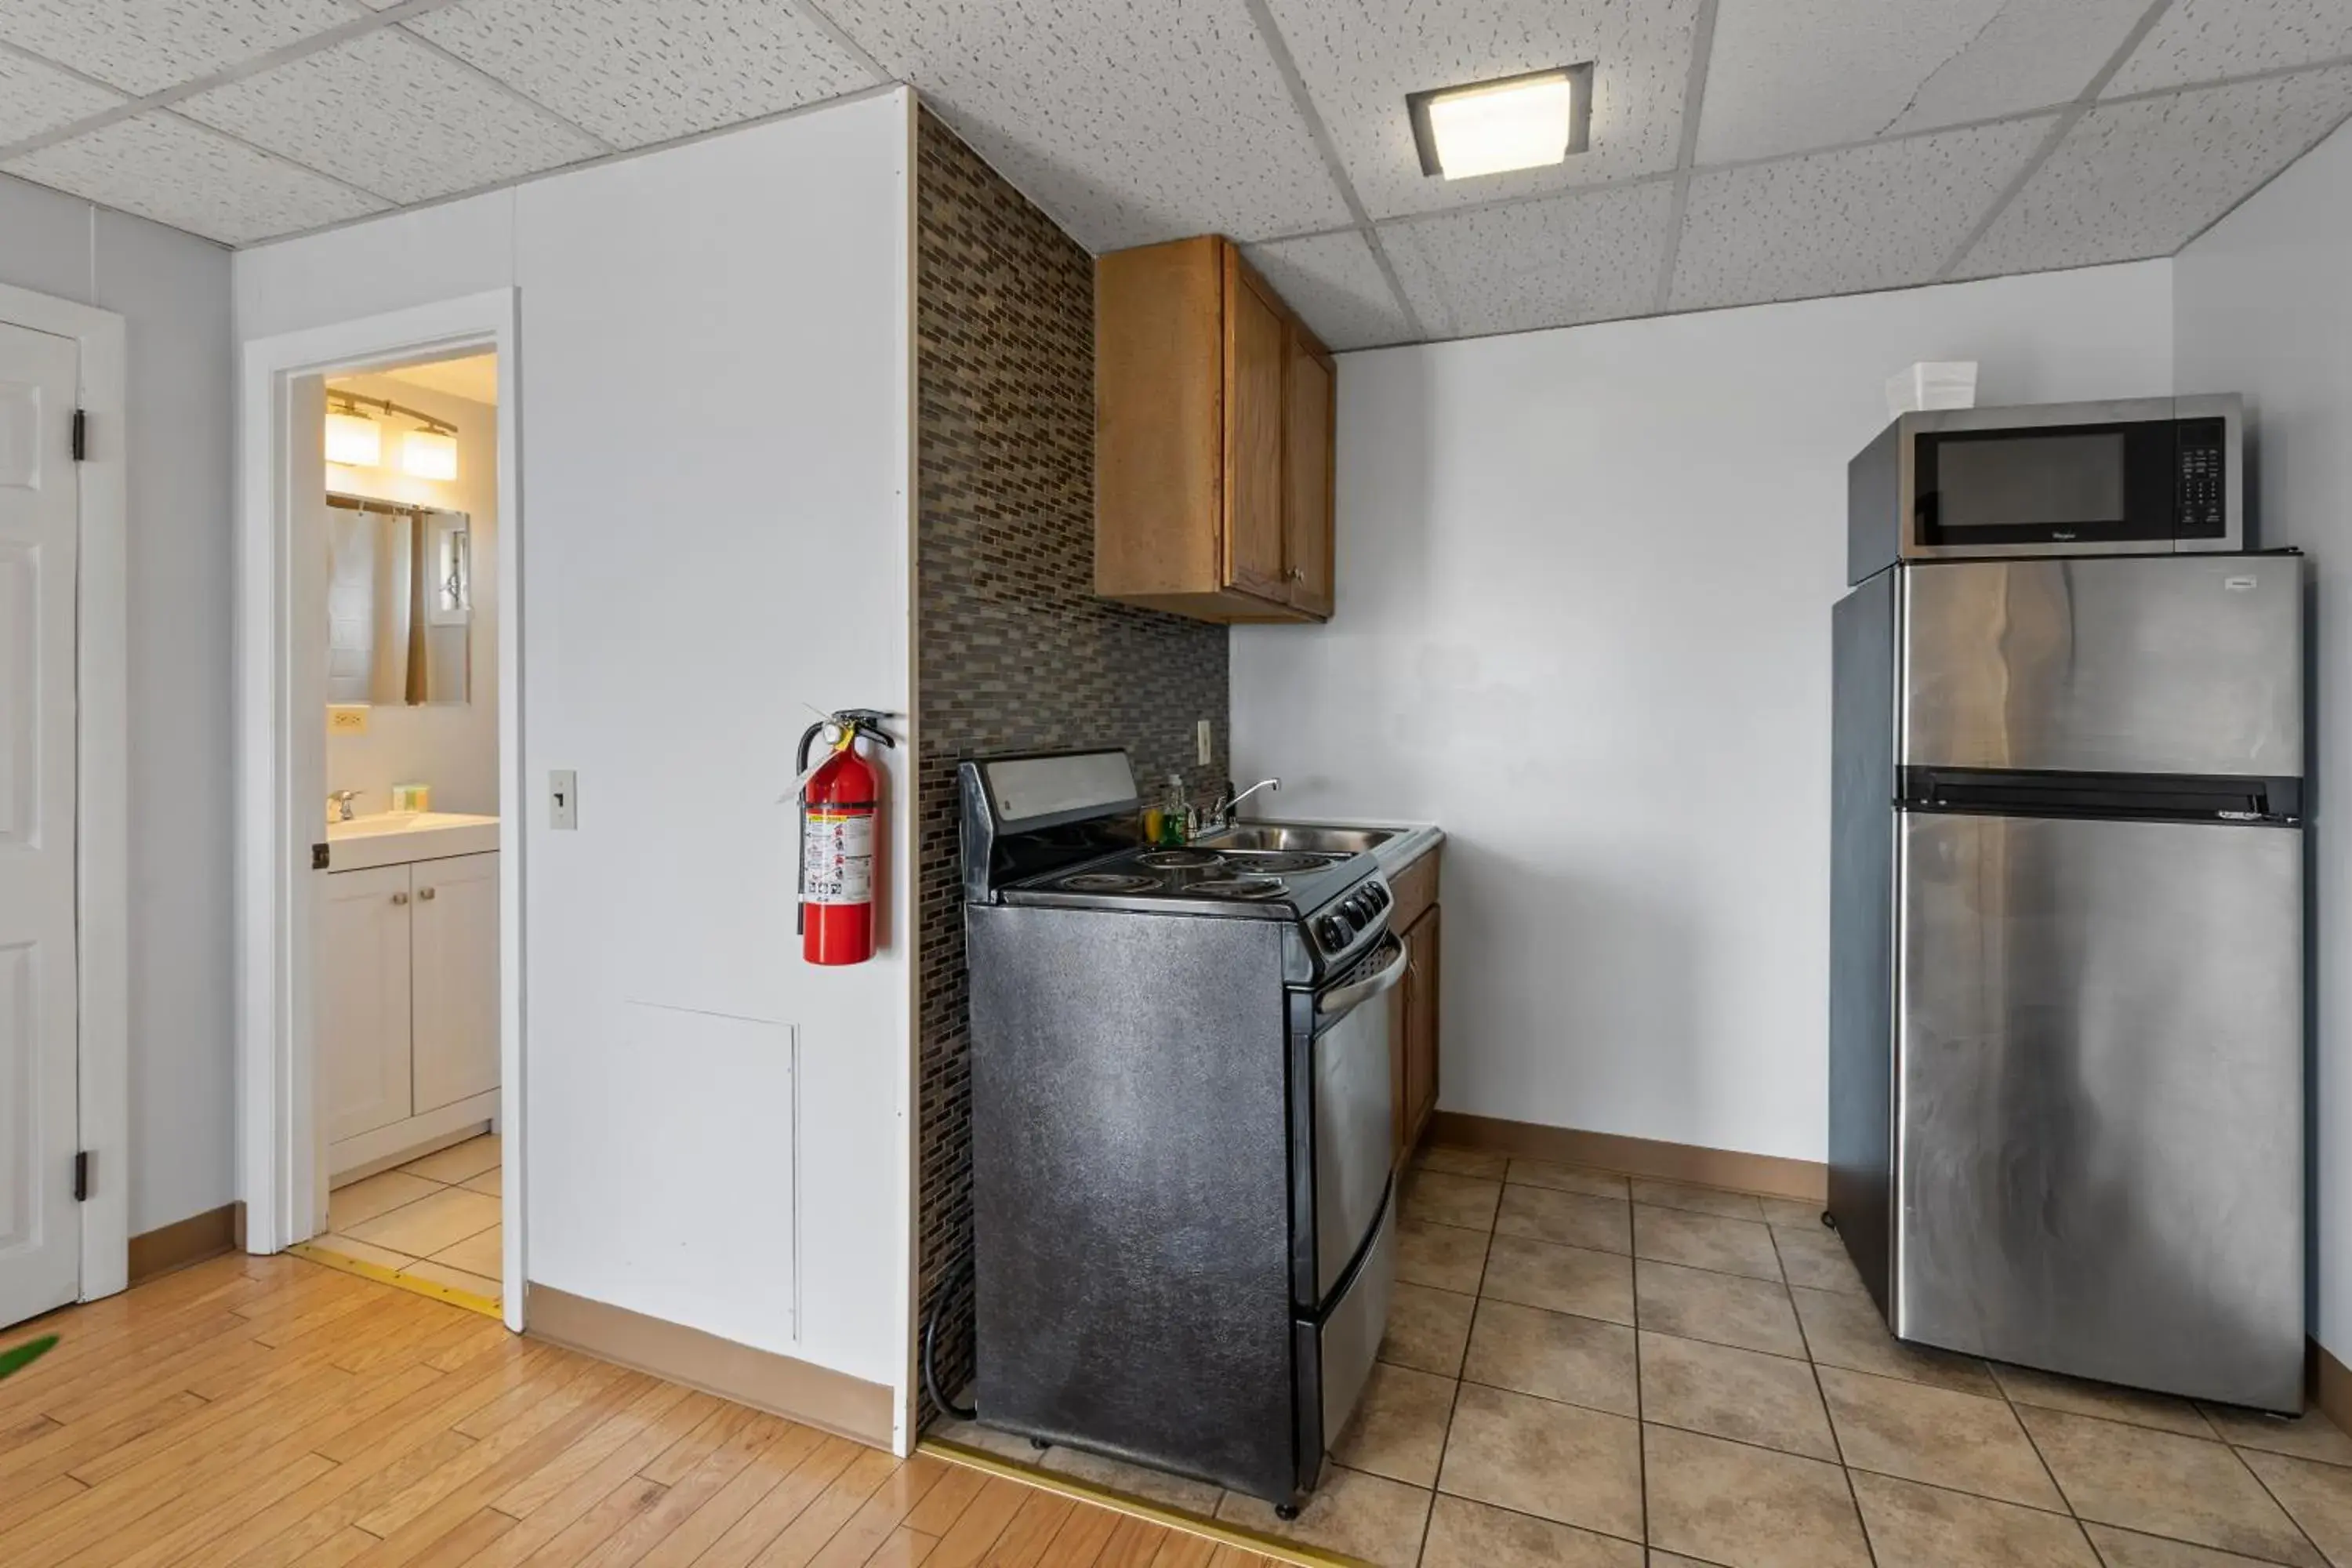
<point x="429" y="455"/>
<point x="1491" y="127"/>
<point x="354" y="439"/>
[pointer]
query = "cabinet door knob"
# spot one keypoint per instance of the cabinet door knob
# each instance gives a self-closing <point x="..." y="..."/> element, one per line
<point x="425" y="893"/>
<point x="400" y="898"/>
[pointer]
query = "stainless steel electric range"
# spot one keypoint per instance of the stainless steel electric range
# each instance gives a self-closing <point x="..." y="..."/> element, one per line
<point x="1184" y="1243"/>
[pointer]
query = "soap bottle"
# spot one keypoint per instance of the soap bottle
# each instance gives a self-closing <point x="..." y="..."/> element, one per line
<point x="1172" y="813"/>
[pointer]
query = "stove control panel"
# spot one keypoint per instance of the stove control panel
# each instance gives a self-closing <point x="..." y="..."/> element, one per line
<point x="1337" y="928"/>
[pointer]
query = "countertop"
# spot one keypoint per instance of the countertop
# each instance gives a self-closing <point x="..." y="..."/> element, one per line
<point x="1414" y="840"/>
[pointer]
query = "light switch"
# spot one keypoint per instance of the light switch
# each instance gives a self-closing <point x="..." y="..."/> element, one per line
<point x="563" y="800"/>
<point x="347" y="718"/>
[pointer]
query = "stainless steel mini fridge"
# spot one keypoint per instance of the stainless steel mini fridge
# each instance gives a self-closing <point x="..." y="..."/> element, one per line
<point x="2066" y="1098"/>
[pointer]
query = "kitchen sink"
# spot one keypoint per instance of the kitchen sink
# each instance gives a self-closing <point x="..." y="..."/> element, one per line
<point x="1299" y="836"/>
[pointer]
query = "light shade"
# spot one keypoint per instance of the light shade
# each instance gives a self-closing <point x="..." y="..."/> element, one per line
<point x="354" y="439"/>
<point x="1486" y="127"/>
<point x="429" y="455"/>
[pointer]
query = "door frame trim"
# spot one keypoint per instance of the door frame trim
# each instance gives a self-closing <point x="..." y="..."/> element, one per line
<point x="101" y="775"/>
<point x="278" y="1120"/>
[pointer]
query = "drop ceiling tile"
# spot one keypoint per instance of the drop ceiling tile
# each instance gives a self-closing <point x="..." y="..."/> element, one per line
<point x="1788" y="76"/>
<point x="1879" y="216"/>
<point x="391" y="116"/>
<point x="2201" y="40"/>
<point x="1129" y="122"/>
<point x="2145" y="177"/>
<point x="161" y="167"/>
<point x="1337" y="287"/>
<point x="1360" y="59"/>
<point x="146" y="46"/>
<point x="639" y="71"/>
<point x="1584" y="256"/>
<point x="36" y="98"/>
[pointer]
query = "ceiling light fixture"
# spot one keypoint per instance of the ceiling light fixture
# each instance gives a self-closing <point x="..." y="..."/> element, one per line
<point x="1490" y="127"/>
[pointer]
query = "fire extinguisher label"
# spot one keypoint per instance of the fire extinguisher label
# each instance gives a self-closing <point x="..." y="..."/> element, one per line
<point x="837" y="854"/>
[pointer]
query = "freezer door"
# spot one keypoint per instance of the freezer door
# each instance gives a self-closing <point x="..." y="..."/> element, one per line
<point x="2099" y="1113"/>
<point x="2172" y="664"/>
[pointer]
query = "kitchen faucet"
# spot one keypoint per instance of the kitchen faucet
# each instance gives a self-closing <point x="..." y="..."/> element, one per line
<point x="1220" y="814"/>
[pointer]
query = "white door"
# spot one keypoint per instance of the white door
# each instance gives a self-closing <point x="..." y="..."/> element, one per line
<point x="40" y="1234"/>
<point x="362" y="999"/>
<point x="454" y="937"/>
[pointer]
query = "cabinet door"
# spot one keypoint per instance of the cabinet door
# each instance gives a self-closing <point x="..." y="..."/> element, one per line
<point x="1421" y="1024"/>
<point x="457" y="979"/>
<point x="1307" y="476"/>
<point x="1256" y="355"/>
<point x="361" y="1002"/>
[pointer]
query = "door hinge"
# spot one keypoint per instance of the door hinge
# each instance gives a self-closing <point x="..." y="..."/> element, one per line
<point x="80" y="435"/>
<point x="318" y="857"/>
<point x="81" y="1176"/>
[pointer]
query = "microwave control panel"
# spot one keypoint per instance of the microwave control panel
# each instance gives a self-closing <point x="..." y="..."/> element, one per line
<point x="2201" y="510"/>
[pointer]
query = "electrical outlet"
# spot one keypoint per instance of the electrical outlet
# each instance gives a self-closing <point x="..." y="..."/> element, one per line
<point x="1206" y="745"/>
<point x="563" y="799"/>
<point x="347" y="718"/>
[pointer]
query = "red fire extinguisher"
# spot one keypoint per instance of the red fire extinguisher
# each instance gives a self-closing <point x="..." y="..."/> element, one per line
<point x="839" y="801"/>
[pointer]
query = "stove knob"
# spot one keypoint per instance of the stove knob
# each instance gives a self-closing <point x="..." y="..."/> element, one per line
<point x="1356" y="912"/>
<point x="1336" y="934"/>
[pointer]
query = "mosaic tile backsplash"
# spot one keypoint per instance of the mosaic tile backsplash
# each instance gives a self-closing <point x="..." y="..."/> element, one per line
<point x="1014" y="651"/>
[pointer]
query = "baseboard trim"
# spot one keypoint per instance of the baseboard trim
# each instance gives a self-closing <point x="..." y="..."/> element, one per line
<point x="779" y="1384"/>
<point x="1773" y="1175"/>
<point x="187" y="1241"/>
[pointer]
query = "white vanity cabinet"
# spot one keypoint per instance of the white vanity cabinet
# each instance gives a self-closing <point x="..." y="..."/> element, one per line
<point x="407" y="1003"/>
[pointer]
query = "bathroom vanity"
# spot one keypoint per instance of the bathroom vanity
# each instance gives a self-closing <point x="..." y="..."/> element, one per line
<point x="406" y="1003"/>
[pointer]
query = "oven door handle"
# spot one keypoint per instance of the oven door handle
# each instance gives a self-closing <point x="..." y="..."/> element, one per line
<point x="1331" y="1004"/>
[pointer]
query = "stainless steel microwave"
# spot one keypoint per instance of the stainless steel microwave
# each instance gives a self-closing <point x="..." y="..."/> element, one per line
<point x="2148" y="474"/>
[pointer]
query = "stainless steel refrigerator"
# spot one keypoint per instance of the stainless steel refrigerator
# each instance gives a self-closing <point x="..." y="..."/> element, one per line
<point x="2066" y="1098"/>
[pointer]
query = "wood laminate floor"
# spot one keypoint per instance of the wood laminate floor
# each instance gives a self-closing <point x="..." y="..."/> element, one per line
<point x="256" y="1411"/>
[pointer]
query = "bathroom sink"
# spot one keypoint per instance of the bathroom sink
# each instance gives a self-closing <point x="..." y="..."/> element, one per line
<point x="1294" y="837"/>
<point x="391" y="837"/>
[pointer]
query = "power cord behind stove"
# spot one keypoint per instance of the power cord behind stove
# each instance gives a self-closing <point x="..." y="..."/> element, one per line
<point x="930" y="1341"/>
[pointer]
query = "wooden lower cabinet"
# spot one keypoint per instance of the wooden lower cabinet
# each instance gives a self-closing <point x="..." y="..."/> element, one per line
<point x="1413" y="1050"/>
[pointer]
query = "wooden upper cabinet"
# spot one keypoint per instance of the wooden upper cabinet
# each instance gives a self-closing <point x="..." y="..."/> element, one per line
<point x="1308" y="470"/>
<point x="1213" y="418"/>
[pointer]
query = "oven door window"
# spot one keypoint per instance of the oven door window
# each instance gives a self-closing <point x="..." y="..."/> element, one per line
<point x="2061" y="484"/>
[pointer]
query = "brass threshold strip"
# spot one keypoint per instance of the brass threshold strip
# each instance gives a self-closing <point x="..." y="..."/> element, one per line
<point x="1121" y="1502"/>
<point x="398" y="1281"/>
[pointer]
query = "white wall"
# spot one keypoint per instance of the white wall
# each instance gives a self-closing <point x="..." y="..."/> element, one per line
<point x="1584" y="624"/>
<point x="2262" y="305"/>
<point x="453" y="747"/>
<point x="173" y="291"/>
<point x="714" y="367"/>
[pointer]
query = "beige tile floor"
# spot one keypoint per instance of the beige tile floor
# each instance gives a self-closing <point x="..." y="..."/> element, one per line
<point x="1589" y="1370"/>
<point x="435" y="1217"/>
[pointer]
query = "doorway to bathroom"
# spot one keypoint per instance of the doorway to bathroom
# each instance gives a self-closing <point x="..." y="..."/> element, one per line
<point x="382" y="1018"/>
<point x="400" y="543"/>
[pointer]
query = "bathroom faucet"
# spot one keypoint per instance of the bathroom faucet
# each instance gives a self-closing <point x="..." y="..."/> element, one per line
<point x="1220" y="814"/>
<point x="338" y="805"/>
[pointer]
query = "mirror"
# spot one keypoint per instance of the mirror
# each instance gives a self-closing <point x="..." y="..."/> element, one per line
<point x="400" y="609"/>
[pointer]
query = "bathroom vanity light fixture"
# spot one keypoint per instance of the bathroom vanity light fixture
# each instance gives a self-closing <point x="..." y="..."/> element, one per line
<point x="1517" y="122"/>
<point x="429" y="454"/>
<point x="354" y="439"/>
